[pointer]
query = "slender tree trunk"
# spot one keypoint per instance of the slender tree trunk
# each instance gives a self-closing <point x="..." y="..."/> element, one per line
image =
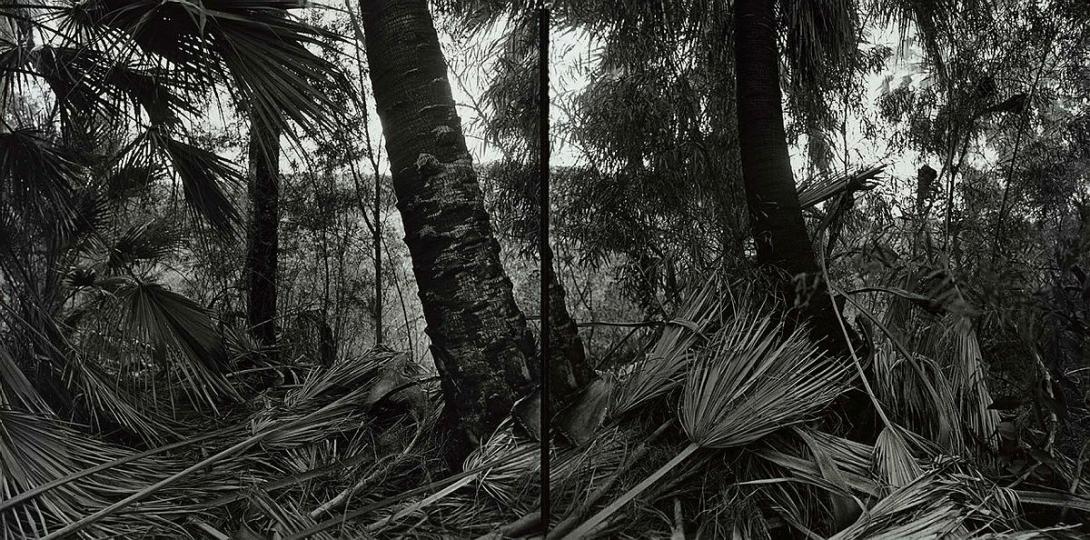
<point x="779" y="230"/>
<point x="479" y="338"/>
<point x="378" y="257"/>
<point x="775" y="215"/>
<point x="263" y="239"/>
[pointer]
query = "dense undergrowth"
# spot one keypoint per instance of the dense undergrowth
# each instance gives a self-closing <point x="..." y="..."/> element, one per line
<point x="719" y="429"/>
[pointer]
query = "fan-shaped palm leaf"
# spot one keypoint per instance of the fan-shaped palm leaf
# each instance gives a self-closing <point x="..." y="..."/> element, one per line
<point x="252" y="44"/>
<point x="38" y="177"/>
<point x="751" y="380"/>
<point x="661" y="368"/>
<point x="203" y="175"/>
<point x="150" y="241"/>
<point x="161" y="316"/>
<point x="941" y="504"/>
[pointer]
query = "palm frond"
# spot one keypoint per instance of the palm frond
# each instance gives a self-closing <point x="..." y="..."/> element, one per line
<point x="129" y="178"/>
<point x="967" y="376"/>
<point x="941" y="504"/>
<point x="160" y="316"/>
<point x="749" y="381"/>
<point x="16" y="391"/>
<point x="36" y="450"/>
<point x="146" y="242"/>
<point x="203" y="175"/>
<point x="894" y="461"/>
<point x="920" y="396"/>
<point x="753" y="380"/>
<point x="38" y="177"/>
<point x="661" y="369"/>
<point x="99" y="397"/>
<point x="254" y="45"/>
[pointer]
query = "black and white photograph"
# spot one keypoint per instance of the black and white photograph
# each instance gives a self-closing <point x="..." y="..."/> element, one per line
<point x="567" y="269"/>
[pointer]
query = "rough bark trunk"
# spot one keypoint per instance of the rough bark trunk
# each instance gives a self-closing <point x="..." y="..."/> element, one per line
<point x="569" y="366"/>
<point x="263" y="239"/>
<point x="479" y="338"/>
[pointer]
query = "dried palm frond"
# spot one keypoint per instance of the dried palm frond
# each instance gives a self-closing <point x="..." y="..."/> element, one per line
<point x="918" y="394"/>
<point x="661" y="369"/>
<point x="814" y="191"/>
<point x="579" y="470"/>
<point x="16" y="391"/>
<point x="750" y="381"/>
<point x="943" y="503"/>
<point x="36" y="452"/>
<point x="511" y="479"/>
<point x="801" y="451"/>
<point x="753" y="380"/>
<point x="340" y="378"/>
<point x="513" y="483"/>
<point x="280" y="517"/>
<point x="894" y="462"/>
<point x="966" y="368"/>
<point x="735" y="516"/>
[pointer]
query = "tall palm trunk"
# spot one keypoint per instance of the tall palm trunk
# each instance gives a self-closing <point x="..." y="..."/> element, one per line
<point x="479" y="338"/>
<point x="263" y="238"/>
<point x="775" y="215"/>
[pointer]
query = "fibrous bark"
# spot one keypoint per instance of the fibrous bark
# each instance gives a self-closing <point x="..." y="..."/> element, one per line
<point x="263" y="237"/>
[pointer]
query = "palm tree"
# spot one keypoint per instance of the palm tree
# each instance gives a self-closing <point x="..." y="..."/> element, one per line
<point x="479" y="338"/>
<point x="261" y="256"/>
<point x="122" y="84"/>
<point x="779" y="230"/>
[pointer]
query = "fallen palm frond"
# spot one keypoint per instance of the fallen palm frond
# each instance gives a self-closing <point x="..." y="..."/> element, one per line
<point x="917" y="394"/>
<point x="511" y="479"/>
<point x="753" y="380"/>
<point x="735" y="516"/>
<point x="661" y="369"/>
<point x="15" y="389"/>
<point x="894" y="463"/>
<point x="507" y="471"/>
<point x="278" y="518"/>
<point x="800" y="454"/>
<point x="750" y="381"/>
<point x="63" y="483"/>
<point x="35" y="452"/>
<point x="815" y="480"/>
<point x="943" y="503"/>
<point x="600" y="490"/>
<point x="967" y="377"/>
